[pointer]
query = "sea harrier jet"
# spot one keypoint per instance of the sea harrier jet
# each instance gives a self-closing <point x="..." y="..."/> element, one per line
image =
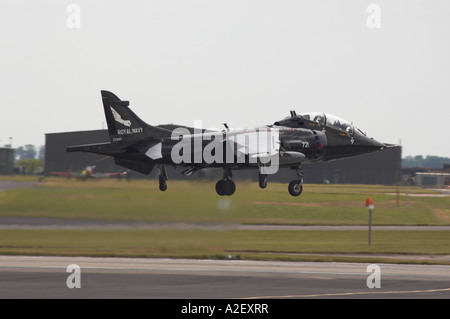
<point x="290" y="142"/>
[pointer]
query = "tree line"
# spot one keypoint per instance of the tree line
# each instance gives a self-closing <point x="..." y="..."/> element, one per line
<point x="29" y="151"/>
<point x="29" y="158"/>
<point x="425" y="162"/>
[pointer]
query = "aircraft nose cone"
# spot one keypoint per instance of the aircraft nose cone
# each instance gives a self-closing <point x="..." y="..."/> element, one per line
<point x="371" y="145"/>
<point x="379" y="145"/>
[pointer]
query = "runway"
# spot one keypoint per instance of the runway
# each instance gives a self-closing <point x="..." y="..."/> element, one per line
<point x="46" y="277"/>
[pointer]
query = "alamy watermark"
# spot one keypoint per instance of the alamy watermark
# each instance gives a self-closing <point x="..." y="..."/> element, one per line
<point x="374" y="279"/>
<point x="374" y="19"/>
<point x="259" y="146"/>
<point x="74" y="279"/>
<point x="74" y="18"/>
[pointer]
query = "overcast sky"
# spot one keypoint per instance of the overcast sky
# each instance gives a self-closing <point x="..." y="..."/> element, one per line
<point x="244" y="62"/>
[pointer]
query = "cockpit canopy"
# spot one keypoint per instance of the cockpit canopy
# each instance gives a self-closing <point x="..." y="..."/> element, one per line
<point x="332" y="121"/>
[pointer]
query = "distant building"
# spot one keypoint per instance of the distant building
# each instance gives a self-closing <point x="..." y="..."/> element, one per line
<point x="6" y="161"/>
<point x="429" y="178"/>
<point x="382" y="167"/>
<point x="58" y="160"/>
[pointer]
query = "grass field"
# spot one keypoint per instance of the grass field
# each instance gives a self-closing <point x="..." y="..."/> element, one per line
<point x="261" y="245"/>
<point x="197" y="202"/>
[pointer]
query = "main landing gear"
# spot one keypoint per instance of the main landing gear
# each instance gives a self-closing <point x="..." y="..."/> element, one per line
<point x="226" y="186"/>
<point x="296" y="186"/>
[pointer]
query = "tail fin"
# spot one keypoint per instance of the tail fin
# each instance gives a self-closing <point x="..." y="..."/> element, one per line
<point x="124" y="125"/>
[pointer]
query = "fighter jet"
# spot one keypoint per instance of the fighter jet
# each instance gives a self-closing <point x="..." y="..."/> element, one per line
<point x="290" y="142"/>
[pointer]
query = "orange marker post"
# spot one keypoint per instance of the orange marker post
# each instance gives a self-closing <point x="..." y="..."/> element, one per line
<point x="370" y="206"/>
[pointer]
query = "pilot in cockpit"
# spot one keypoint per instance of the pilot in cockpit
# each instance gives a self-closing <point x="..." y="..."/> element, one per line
<point x="319" y="119"/>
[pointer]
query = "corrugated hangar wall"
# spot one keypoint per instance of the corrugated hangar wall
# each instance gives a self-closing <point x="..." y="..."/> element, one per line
<point x="6" y="161"/>
<point x="58" y="160"/>
<point x="383" y="167"/>
<point x="376" y="168"/>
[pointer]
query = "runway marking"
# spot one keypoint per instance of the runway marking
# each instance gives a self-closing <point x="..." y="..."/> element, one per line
<point x="351" y="293"/>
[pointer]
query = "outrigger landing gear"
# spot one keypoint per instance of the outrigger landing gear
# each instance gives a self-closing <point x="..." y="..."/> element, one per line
<point x="162" y="178"/>
<point x="296" y="186"/>
<point x="226" y="186"/>
<point x="262" y="180"/>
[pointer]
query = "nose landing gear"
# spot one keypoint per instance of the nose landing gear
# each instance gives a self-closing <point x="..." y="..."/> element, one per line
<point x="296" y="186"/>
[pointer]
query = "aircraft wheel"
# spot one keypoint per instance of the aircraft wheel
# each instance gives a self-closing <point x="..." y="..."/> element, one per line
<point x="162" y="183"/>
<point x="295" y="188"/>
<point x="230" y="187"/>
<point x="225" y="187"/>
<point x="220" y="189"/>
<point x="263" y="183"/>
<point x="162" y="187"/>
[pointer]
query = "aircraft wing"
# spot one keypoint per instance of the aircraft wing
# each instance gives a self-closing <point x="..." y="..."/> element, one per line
<point x="258" y="143"/>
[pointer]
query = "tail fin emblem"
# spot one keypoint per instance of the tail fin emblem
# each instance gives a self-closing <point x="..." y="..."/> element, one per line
<point x="119" y="119"/>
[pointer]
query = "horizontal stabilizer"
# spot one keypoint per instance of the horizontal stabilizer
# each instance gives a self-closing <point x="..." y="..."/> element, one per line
<point x="100" y="148"/>
<point x="141" y="167"/>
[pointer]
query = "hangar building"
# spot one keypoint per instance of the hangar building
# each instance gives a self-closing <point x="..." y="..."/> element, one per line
<point x="6" y="161"/>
